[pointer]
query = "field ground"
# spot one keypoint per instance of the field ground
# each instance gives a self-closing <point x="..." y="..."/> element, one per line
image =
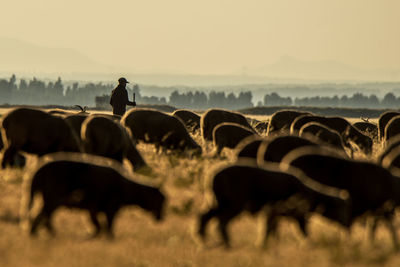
<point x="140" y="241"/>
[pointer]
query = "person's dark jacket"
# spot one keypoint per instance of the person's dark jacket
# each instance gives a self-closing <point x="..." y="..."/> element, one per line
<point x="119" y="100"/>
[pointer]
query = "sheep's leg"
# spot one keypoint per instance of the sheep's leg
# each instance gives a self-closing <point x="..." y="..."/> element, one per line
<point x="204" y="219"/>
<point x="270" y="227"/>
<point x="224" y="219"/>
<point x="8" y="157"/>
<point x="37" y="221"/>
<point x="302" y="221"/>
<point x="95" y="221"/>
<point x="110" y="215"/>
<point x="372" y="230"/>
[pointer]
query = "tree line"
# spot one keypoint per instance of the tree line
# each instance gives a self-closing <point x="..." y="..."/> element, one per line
<point x="38" y="92"/>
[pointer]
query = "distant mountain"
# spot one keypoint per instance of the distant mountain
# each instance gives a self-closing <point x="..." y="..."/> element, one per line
<point x="290" y="67"/>
<point x="16" y="55"/>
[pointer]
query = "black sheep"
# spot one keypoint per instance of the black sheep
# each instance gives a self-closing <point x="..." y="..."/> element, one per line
<point x="88" y="186"/>
<point x="241" y="188"/>
<point x="384" y="118"/>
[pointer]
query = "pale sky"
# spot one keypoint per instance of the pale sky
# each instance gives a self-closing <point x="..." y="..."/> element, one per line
<point x="211" y="36"/>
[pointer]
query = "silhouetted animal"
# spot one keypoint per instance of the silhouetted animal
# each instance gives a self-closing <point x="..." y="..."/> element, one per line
<point x="97" y="189"/>
<point x="372" y="188"/>
<point x="75" y="122"/>
<point x="275" y="149"/>
<point x="37" y="132"/>
<point x="392" y="159"/>
<point x="189" y="118"/>
<point x="160" y="129"/>
<point x="390" y="145"/>
<point x="392" y="128"/>
<point x="367" y="128"/>
<point x="241" y="188"/>
<point x="19" y="160"/>
<point x="323" y="133"/>
<point x="342" y="126"/>
<point x="212" y="117"/>
<point x="248" y="147"/>
<point x="383" y="120"/>
<point x="229" y="134"/>
<point x="281" y="120"/>
<point x="104" y="137"/>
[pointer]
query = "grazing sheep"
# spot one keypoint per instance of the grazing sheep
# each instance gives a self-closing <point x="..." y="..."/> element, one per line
<point x="241" y="188"/>
<point x="373" y="189"/>
<point x="275" y="149"/>
<point x="342" y="126"/>
<point x="248" y="147"/>
<point x="152" y="126"/>
<point x="189" y="118"/>
<point x="37" y="132"/>
<point x="383" y="120"/>
<point x="392" y="128"/>
<point x="104" y="137"/>
<point x="212" y="117"/>
<point x="281" y="120"/>
<point x="323" y="133"/>
<point x="392" y="159"/>
<point x="86" y="185"/>
<point x="75" y="122"/>
<point x="229" y="134"/>
<point x="368" y="128"/>
<point x="391" y="144"/>
<point x="261" y="127"/>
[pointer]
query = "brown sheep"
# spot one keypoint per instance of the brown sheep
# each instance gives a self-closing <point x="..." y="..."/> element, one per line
<point x="104" y="137"/>
<point x="373" y="189"/>
<point x="323" y="133"/>
<point x="248" y="147"/>
<point x="163" y="130"/>
<point x="275" y="149"/>
<point x="75" y="122"/>
<point x="242" y="187"/>
<point x="85" y="184"/>
<point x="392" y="128"/>
<point x="212" y="117"/>
<point x="383" y="120"/>
<point x="37" y="132"/>
<point x="341" y="125"/>
<point x="189" y="118"/>
<point x="282" y="119"/>
<point x="229" y="134"/>
<point x="368" y="128"/>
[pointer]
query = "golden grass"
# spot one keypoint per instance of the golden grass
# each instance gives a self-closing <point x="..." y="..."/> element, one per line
<point x="142" y="242"/>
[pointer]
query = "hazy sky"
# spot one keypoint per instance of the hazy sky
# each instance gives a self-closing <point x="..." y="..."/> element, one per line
<point x="211" y="36"/>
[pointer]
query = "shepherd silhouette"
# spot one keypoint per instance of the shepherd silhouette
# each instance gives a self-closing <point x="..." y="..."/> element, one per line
<point x="119" y="98"/>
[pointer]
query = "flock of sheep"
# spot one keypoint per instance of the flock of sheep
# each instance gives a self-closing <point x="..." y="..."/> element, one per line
<point x="294" y="165"/>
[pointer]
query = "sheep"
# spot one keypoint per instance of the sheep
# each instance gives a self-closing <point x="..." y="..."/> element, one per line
<point x="248" y="147"/>
<point x="384" y="118"/>
<point x="342" y="126"/>
<point x="392" y="128"/>
<point x="275" y="149"/>
<point x="392" y="159"/>
<point x="229" y="134"/>
<point x="37" y="132"/>
<point x="393" y="143"/>
<point x="241" y="187"/>
<point x="189" y="118"/>
<point x="372" y="188"/>
<point x="368" y="128"/>
<point x="104" y="137"/>
<point x="152" y="126"/>
<point x="281" y="120"/>
<point x="323" y="133"/>
<point x="79" y="182"/>
<point x="75" y="122"/>
<point x="212" y="117"/>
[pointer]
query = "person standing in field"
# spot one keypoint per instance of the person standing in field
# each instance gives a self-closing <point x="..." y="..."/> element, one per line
<point x="119" y="98"/>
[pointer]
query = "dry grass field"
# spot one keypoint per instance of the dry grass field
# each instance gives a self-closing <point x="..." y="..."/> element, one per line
<point x="140" y="241"/>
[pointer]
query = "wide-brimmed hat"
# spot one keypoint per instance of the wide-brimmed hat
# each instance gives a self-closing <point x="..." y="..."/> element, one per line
<point x="122" y="80"/>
